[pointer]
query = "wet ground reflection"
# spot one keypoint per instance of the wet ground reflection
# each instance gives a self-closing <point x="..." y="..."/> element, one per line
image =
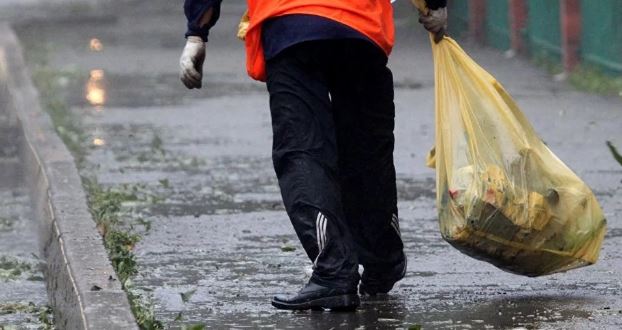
<point x="394" y="312"/>
<point x="96" y="45"/>
<point x="95" y="88"/>
<point x="213" y="223"/>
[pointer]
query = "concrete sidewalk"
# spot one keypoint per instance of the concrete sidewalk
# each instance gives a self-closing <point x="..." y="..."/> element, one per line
<point x="40" y="177"/>
<point x="216" y="243"/>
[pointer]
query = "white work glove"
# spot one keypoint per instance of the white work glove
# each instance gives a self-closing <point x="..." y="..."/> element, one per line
<point x="191" y="62"/>
<point x="435" y="22"/>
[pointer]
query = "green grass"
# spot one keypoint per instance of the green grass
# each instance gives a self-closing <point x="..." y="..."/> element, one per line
<point x="5" y="224"/>
<point x="105" y="204"/>
<point x="12" y="269"/>
<point x="614" y="152"/>
<point x="288" y="248"/>
<point x="43" y="313"/>
<point x="157" y="145"/>
<point x="584" y="77"/>
<point x="49" y="83"/>
<point x="143" y="312"/>
<point x="593" y="80"/>
<point x="546" y="62"/>
<point x="193" y="327"/>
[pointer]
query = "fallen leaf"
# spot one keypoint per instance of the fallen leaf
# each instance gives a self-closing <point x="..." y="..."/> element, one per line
<point x="287" y="248"/>
<point x="185" y="296"/>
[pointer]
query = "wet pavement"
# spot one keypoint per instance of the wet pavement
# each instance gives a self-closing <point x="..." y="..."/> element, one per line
<point x="216" y="242"/>
<point x="23" y="296"/>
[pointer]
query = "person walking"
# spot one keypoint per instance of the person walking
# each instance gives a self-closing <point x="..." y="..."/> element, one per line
<point x="331" y="102"/>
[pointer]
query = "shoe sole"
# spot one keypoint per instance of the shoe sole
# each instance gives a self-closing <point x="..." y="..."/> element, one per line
<point x="346" y="302"/>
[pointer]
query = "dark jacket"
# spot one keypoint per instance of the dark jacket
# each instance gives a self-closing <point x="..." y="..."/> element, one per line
<point x="194" y="10"/>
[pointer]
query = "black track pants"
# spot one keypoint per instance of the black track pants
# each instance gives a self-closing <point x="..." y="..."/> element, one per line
<point x="333" y="117"/>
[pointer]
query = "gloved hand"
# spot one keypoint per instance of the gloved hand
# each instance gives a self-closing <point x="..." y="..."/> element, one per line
<point x="191" y="62"/>
<point x="435" y="22"/>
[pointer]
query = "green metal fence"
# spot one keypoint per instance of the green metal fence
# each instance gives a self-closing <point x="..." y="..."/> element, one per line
<point x="600" y="26"/>
<point x="601" y="40"/>
<point x="543" y="27"/>
<point x="458" y="18"/>
<point x="497" y="24"/>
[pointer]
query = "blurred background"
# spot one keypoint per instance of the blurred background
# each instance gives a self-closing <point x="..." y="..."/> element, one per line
<point x="579" y="37"/>
<point x="181" y="187"/>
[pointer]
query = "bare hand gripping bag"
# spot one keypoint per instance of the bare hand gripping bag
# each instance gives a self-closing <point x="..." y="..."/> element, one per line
<point x="502" y="195"/>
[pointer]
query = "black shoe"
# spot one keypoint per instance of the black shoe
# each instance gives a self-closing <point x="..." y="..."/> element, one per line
<point x="317" y="297"/>
<point x="373" y="282"/>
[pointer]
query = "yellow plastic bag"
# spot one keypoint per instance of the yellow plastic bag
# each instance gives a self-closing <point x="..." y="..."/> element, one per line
<point x="502" y="195"/>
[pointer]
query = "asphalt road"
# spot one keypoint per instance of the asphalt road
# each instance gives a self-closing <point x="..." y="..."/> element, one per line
<point x="23" y="295"/>
<point x="213" y="224"/>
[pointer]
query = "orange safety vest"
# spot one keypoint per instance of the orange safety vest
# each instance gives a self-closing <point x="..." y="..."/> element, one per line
<point x="373" y="18"/>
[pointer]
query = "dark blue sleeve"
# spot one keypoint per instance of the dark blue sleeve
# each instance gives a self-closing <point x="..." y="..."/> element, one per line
<point x="194" y="10"/>
<point x="436" y="4"/>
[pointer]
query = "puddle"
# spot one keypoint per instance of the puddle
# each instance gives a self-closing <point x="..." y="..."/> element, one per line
<point x="212" y="217"/>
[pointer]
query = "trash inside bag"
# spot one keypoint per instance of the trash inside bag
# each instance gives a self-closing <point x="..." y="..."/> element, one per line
<point x="502" y="195"/>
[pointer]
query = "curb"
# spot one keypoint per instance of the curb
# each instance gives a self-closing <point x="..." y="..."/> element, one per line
<point x="81" y="283"/>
